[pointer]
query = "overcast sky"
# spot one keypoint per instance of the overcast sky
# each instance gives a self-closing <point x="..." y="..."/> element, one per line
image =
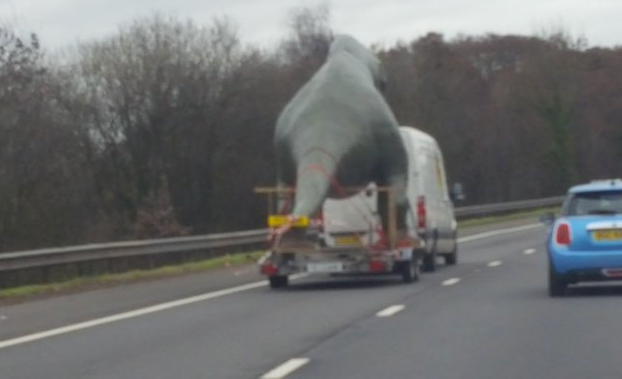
<point x="63" y="22"/>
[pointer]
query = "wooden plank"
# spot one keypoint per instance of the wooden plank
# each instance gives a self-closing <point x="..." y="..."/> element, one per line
<point x="392" y="220"/>
<point x="267" y="190"/>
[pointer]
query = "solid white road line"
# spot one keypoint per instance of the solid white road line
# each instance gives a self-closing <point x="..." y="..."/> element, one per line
<point x="529" y="251"/>
<point x="495" y="264"/>
<point x="131" y="314"/>
<point x="498" y="232"/>
<point x="451" y="282"/>
<point x="286" y="368"/>
<point x="390" y="311"/>
<point x="136" y="313"/>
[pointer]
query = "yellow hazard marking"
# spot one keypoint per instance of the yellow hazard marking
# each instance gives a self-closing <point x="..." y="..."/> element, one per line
<point x="280" y="220"/>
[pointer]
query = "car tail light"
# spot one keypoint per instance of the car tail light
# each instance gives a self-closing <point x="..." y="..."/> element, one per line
<point x="612" y="272"/>
<point x="563" y="234"/>
<point x="421" y="213"/>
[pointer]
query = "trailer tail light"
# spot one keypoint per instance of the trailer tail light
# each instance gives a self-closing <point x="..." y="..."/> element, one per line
<point x="269" y="269"/>
<point x="563" y="234"/>
<point x="421" y="213"/>
<point x="319" y="222"/>
<point x="377" y="266"/>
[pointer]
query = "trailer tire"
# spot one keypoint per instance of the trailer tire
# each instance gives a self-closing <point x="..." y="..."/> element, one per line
<point x="410" y="271"/>
<point x="429" y="260"/>
<point x="278" y="281"/>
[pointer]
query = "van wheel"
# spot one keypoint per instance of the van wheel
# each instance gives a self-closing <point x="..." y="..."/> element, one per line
<point x="278" y="281"/>
<point x="410" y="271"/>
<point x="429" y="259"/>
<point x="452" y="258"/>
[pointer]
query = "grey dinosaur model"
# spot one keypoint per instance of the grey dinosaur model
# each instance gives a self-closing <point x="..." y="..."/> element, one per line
<point x="338" y="131"/>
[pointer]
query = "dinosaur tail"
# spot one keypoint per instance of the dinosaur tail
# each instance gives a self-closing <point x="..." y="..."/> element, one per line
<point x="314" y="181"/>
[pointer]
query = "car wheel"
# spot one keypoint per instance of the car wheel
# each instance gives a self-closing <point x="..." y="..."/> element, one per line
<point x="278" y="281"/>
<point x="557" y="284"/>
<point x="410" y="271"/>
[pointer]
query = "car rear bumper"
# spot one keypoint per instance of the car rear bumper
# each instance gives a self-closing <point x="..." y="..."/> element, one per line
<point x="588" y="275"/>
<point x="586" y="263"/>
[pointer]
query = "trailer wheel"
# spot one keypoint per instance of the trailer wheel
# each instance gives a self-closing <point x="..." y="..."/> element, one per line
<point x="410" y="271"/>
<point x="278" y="281"/>
<point x="429" y="261"/>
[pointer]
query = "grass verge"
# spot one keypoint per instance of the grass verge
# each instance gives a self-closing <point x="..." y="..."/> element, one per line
<point x="90" y="282"/>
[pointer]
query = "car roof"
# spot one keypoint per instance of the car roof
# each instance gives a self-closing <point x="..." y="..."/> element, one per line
<point x="598" y="186"/>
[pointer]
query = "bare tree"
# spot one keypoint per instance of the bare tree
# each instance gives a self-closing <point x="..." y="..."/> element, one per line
<point x="310" y="34"/>
<point x="41" y="153"/>
<point x="158" y="86"/>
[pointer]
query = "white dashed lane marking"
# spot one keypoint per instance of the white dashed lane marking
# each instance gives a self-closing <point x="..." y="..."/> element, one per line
<point x="286" y="368"/>
<point x="451" y="282"/>
<point x="495" y="264"/>
<point x="529" y="251"/>
<point x="390" y="311"/>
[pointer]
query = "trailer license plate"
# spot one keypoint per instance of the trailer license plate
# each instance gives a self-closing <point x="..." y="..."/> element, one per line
<point x="325" y="267"/>
<point x="348" y="240"/>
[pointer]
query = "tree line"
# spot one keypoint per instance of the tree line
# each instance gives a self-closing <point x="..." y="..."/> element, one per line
<point x="164" y="128"/>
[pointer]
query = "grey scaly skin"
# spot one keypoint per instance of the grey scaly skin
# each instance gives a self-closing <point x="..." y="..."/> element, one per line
<point x="339" y="128"/>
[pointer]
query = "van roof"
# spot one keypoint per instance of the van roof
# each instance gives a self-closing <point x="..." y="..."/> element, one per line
<point x="417" y="134"/>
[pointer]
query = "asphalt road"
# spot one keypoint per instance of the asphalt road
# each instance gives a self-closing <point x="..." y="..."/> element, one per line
<point x="487" y="317"/>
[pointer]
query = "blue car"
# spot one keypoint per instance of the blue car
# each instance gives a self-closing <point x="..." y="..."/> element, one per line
<point x="585" y="242"/>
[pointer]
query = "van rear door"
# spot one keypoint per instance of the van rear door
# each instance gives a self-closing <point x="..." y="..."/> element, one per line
<point x="352" y="221"/>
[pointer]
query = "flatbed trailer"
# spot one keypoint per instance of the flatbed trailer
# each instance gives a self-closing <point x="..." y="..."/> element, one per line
<point x="304" y="245"/>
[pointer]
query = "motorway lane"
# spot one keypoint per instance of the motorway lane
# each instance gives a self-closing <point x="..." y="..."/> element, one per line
<point x="246" y="334"/>
<point x="497" y="322"/>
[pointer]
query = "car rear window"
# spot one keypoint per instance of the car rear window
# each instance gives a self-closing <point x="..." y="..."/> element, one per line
<point x="595" y="203"/>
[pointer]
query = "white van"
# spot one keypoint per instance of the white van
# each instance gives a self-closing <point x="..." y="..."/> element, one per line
<point x="431" y="217"/>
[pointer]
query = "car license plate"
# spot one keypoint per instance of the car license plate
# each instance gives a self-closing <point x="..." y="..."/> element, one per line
<point x="348" y="240"/>
<point x="325" y="267"/>
<point x="608" y="235"/>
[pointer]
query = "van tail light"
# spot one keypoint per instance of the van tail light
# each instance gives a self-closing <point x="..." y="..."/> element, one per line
<point x="421" y="213"/>
<point x="563" y="234"/>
